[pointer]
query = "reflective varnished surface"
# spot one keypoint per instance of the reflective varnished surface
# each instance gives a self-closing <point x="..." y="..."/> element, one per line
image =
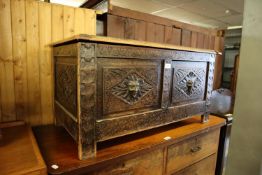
<point x="58" y="147"/>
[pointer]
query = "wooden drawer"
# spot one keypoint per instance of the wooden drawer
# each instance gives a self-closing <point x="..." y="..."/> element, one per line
<point x="189" y="81"/>
<point x="192" y="150"/>
<point x="150" y="163"/>
<point x="206" y="166"/>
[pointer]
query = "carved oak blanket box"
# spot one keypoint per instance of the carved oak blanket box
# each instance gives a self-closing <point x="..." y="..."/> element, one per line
<point x="108" y="87"/>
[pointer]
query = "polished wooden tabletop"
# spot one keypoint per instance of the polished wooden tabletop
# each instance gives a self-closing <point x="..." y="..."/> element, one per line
<point x="19" y="153"/>
<point x="60" y="151"/>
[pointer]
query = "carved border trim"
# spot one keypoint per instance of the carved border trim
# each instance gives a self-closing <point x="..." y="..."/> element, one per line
<point x="194" y="56"/>
<point x="107" y="129"/>
<point x="210" y="78"/>
<point x="87" y="86"/>
<point x="65" y="50"/>
<point x="116" y="51"/>
<point x="166" y="89"/>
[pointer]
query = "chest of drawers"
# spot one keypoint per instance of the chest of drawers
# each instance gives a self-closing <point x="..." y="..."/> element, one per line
<point x="107" y="88"/>
<point x="191" y="148"/>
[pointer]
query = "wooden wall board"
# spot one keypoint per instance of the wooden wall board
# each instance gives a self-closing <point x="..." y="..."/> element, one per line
<point x="20" y="60"/>
<point x="79" y="24"/>
<point x="45" y="63"/>
<point x="32" y="47"/>
<point x="172" y="35"/>
<point x="57" y="22"/>
<point x="90" y="22"/>
<point x="186" y="38"/>
<point x="118" y="26"/>
<point x="206" y="41"/>
<point x="140" y="30"/>
<point x="119" y="11"/>
<point x="130" y="28"/>
<point x="194" y="39"/>
<point x="219" y="44"/>
<point x="200" y="40"/>
<point x="7" y="95"/>
<point x="150" y="32"/>
<point x="159" y="33"/>
<point x="27" y="28"/>
<point x="69" y="15"/>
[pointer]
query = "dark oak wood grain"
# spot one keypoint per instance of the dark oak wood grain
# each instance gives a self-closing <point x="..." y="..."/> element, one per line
<point x="105" y="88"/>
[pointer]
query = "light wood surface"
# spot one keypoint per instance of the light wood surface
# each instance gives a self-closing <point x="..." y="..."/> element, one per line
<point x="51" y="139"/>
<point x="27" y="28"/>
<point x="85" y="37"/>
<point x="7" y="79"/>
<point x="19" y="151"/>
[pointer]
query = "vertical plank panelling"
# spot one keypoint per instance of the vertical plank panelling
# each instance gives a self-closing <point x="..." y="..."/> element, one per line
<point x="212" y="42"/>
<point x="7" y="93"/>
<point x="32" y="35"/>
<point x="194" y="39"/>
<point x="117" y="26"/>
<point x="186" y="38"/>
<point x="45" y="62"/>
<point x="200" y="40"/>
<point x="159" y="33"/>
<point x="19" y="55"/>
<point x="79" y="21"/>
<point x="140" y="30"/>
<point x="172" y="35"/>
<point x="177" y="35"/>
<point x="90" y="22"/>
<point x="27" y="28"/>
<point x="57" y="23"/>
<point x="206" y="41"/>
<point x="168" y="35"/>
<point x="130" y="28"/>
<point x="150" y="32"/>
<point x="69" y="18"/>
<point x="219" y="44"/>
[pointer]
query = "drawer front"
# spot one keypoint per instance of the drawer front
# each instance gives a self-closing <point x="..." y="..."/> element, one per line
<point x="150" y="163"/>
<point x="189" y="81"/>
<point x="206" y="166"/>
<point x="127" y="86"/>
<point x="192" y="150"/>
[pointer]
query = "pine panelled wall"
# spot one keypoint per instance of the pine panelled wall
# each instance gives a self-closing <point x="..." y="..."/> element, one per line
<point x="27" y="28"/>
<point x="129" y="24"/>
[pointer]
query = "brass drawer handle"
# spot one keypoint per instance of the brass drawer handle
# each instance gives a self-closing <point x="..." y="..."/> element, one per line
<point x="195" y="149"/>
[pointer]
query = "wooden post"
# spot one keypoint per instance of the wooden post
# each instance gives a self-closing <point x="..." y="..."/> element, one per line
<point x="87" y="101"/>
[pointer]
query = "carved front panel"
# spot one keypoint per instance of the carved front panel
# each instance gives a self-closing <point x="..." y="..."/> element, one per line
<point x="128" y="85"/>
<point x="189" y="81"/>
